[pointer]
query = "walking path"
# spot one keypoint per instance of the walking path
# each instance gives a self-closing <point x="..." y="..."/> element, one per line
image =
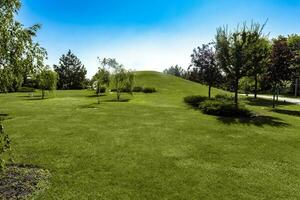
<point x="286" y="99"/>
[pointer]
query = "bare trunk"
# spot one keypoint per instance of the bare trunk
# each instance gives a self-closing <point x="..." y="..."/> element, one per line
<point x="255" y="86"/>
<point x="209" y="91"/>
<point x="274" y="95"/>
<point x="43" y="94"/>
<point x="296" y="86"/>
<point x="236" y="88"/>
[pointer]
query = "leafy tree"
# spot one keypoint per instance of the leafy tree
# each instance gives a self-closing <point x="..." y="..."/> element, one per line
<point x="280" y="68"/>
<point x="19" y="54"/>
<point x="247" y="85"/>
<point x="47" y="80"/>
<point x="294" y="44"/>
<point x="259" y="59"/>
<point x="203" y="59"/>
<point x="101" y="78"/>
<point x="71" y="72"/>
<point x="233" y="52"/>
<point x="175" y="71"/>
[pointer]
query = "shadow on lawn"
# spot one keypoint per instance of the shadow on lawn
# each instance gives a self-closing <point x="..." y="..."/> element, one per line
<point x="95" y="95"/>
<point x="287" y="112"/>
<point x="264" y="102"/>
<point x="4" y="116"/>
<point x="256" y="120"/>
<point x="115" y="100"/>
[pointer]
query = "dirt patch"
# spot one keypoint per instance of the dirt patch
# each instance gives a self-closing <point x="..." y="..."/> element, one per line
<point x="22" y="181"/>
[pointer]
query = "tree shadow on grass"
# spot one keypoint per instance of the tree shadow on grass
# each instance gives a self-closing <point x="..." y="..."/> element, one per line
<point x="264" y="102"/>
<point x="4" y="116"/>
<point x="95" y="95"/>
<point x="287" y="112"/>
<point x="115" y="100"/>
<point x="259" y="121"/>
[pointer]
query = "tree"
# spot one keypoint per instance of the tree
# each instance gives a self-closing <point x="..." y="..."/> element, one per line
<point x="47" y="80"/>
<point x="294" y="44"/>
<point x="19" y="54"/>
<point x="203" y="58"/>
<point x="233" y="52"/>
<point x="71" y="72"/>
<point x="175" y="71"/>
<point x="259" y="59"/>
<point x="280" y="68"/>
<point x="101" y="78"/>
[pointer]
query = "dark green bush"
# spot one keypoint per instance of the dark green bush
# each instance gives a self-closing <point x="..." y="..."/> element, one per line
<point x="149" y="90"/>
<point x="194" y="100"/>
<point x="223" y="108"/>
<point x="223" y="97"/>
<point x="26" y="89"/>
<point x="102" y="90"/>
<point x="138" y="89"/>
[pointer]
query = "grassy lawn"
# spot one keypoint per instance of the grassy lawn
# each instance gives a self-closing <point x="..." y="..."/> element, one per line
<point x="153" y="146"/>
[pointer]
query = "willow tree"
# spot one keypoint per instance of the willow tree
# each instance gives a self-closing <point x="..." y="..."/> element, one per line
<point x="233" y="52"/>
<point x="47" y="80"/>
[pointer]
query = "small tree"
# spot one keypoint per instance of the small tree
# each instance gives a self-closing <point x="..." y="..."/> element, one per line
<point x="101" y="78"/>
<point x="4" y="146"/>
<point x="175" y="71"/>
<point x="280" y="68"/>
<point x="203" y="58"/>
<point x="47" y="80"/>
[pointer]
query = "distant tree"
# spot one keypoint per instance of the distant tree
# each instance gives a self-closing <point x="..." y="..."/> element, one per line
<point x="71" y="72"/>
<point x="294" y="44"/>
<point x="280" y="68"/>
<point x="233" y="52"/>
<point x="204" y="60"/>
<point x="102" y="77"/>
<point x="260" y="52"/>
<point x="175" y="71"/>
<point x="47" y="80"/>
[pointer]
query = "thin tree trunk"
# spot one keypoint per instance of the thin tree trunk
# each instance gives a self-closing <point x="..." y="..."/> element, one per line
<point x="274" y="95"/>
<point x="236" y="88"/>
<point x="296" y="86"/>
<point x="209" y="91"/>
<point x="255" y="86"/>
<point x="43" y="94"/>
<point x="98" y="94"/>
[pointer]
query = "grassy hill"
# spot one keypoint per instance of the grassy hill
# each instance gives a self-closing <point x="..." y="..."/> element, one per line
<point x="153" y="146"/>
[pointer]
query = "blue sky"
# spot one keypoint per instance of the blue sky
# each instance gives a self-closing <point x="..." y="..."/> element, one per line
<point x="147" y="34"/>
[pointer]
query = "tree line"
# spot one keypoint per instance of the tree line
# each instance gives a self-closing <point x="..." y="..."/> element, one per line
<point x="245" y="59"/>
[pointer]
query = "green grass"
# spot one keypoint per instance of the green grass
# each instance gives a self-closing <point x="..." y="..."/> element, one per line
<point x="153" y="146"/>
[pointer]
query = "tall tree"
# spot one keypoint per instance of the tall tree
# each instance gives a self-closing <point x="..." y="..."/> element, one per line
<point x="203" y="58"/>
<point x="233" y="52"/>
<point x="280" y="68"/>
<point x="259" y="59"/>
<point x="19" y="54"/>
<point x="294" y="44"/>
<point x="71" y="72"/>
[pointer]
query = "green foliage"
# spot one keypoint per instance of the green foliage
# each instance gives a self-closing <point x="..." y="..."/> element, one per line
<point x="247" y="84"/>
<point x="194" y="100"/>
<point x="101" y="79"/>
<point x="175" y="71"/>
<point x="138" y="89"/>
<point x="47" y="80"/>
<point x="20" y="56"/>
<point x="223" y="108"/>
<point x="26" y="89"/>
<point x="71" y="72"/>
<point x="4" y="147"/>
<point x="149" y="90"/>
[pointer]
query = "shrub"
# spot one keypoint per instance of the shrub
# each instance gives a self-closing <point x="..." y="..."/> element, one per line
<point x="102" y="90"/>
<point x="26" y="89"/>
<point x="138" y="89"/>
<point x="223" y="108"/>
<point x="223" y="97"/>
<point x="194" y="100"/>
<point x="149" y="90"/>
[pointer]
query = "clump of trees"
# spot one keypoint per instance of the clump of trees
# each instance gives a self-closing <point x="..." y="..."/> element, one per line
<point x="175" y="71"/>
<point x="245" y="59"/>
<point x="121" y="79"/>
<point x="71" y="72"/>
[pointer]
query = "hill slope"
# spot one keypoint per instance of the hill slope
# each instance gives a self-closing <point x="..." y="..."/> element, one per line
<point x="153" y="146"/>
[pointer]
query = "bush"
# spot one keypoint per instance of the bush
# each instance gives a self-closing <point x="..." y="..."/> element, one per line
<point x="223" y="97"/>
<point x="149" y="90"/>
<point x="102" y="90"/>
<point x="26" y="89"/>
<point x="223" y="108"/>
<point x="138" y="89"/>
<point x="194" y="100"/>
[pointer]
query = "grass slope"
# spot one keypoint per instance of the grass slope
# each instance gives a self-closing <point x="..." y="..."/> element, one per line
<point x="154" y="146"/>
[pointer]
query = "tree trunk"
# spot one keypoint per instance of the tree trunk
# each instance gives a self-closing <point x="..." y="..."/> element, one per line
<point x="255" y="86"/>
<point x="296" y="86"/>
<point x="209" y="91"/>
<point x="118" y="95"/>
<point x="43" y="94"/>
<point x="98" y="94"/>
<point x="236" y="88"/>
<point x="274" y="95"/>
